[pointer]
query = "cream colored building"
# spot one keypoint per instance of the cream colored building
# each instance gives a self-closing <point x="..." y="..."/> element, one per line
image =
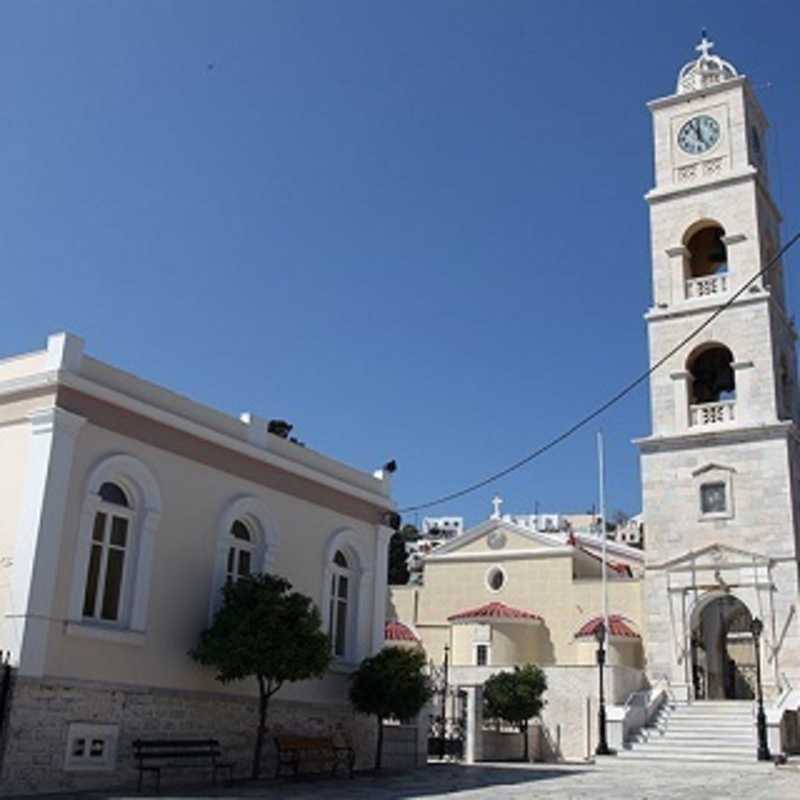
<point x="505" y="594"/>
<point x="123" y="509"/>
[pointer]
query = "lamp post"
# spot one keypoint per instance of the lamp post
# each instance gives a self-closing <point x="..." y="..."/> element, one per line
<point x="443" y="744"/>
<point x="756" y="628"/>
<point x="602" y="748"/>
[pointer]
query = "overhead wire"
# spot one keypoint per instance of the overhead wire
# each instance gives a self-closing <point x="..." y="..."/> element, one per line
<point x="615" y="398"/>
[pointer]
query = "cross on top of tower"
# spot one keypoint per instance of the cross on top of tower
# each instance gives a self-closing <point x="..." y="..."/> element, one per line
<point x="705" y="46"/>
<point x="707" y="70"/>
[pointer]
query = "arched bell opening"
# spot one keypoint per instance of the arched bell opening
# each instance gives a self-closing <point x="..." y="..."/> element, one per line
<point x="722" y="650"/>
<point x="712" y="385"/>
<point x="707" y="254"/>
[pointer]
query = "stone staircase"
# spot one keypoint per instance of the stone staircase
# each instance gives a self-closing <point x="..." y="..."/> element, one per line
<point x="722" y="731"/>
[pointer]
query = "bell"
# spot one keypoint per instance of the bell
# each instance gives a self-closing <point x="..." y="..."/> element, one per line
<point x="718" y="256"/>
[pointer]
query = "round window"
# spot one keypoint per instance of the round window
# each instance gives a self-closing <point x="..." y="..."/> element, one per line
<point x="495" y="579"/>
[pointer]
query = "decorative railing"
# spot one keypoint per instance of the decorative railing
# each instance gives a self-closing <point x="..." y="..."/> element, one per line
<point x="712" y="413"/>
<point x="707" y="286"/>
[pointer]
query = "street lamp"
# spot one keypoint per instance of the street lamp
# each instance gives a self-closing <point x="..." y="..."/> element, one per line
<point x="602" y="743"/>
<point x="756" y="628"/>
<point x="443" y="744"/>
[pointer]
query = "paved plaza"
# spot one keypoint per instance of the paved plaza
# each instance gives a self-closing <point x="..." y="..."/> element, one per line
<point x="626" y="780"/>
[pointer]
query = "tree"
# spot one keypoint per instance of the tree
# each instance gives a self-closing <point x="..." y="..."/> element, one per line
<point x="516" y="697"/>
<point x="398" y="569"/>
<point x="390" y="684"/>
<point x="264" y="630"/>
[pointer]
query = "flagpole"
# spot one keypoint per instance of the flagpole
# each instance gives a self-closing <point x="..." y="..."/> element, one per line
<point x="601" y="469"/>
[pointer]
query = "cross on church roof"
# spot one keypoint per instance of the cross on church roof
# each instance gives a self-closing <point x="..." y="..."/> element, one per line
<point x="704" y="46"/>
<point x="496" y="503"/>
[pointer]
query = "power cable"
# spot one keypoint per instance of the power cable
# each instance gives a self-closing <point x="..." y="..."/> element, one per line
<point x="627" y="389"/>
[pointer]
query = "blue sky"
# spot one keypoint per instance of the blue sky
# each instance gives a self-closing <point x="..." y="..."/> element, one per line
<point x="415" y="230"/>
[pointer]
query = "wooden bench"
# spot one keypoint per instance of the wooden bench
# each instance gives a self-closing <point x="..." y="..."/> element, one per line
<point x="153" y="755"/>
<point x="291" y="748"/>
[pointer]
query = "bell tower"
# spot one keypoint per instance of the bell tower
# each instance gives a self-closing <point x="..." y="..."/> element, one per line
<point x="720" y="469"/>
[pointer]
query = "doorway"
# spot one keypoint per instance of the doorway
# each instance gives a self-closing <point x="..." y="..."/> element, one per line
<point x="723" y="655"/>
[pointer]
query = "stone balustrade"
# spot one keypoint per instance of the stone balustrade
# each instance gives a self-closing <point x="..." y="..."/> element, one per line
<point x="706" y="286"/>
<point x="704" y="414"/>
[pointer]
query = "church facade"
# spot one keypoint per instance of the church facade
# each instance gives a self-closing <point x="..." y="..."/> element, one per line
<point x="721" y="466"/>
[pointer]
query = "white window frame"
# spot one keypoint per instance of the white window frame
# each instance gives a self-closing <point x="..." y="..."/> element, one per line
<point x="111" y="511"/>
<point x="141" y="487"/>
<point x="495" y="568"/>
<point x="488" y="646"/>
<point x="256" y="516"/>
<point x="107" y="734"/>
<point x="339" y="572"/>
<point x="361" y="603"/>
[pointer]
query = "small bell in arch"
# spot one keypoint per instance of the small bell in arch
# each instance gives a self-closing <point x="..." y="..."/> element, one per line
<point x="718" y="254"/>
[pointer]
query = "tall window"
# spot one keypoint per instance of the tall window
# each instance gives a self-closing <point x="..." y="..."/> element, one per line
<point x="341" y="581"/>
<point x="105" y="578"/>
<point x="240" y="552"/>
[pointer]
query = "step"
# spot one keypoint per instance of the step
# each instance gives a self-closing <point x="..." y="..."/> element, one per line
<point x="705" y="737"/>
<point x="705" y="721"/>
<point x="709" y="758"/>
<point x="700" y="747"/>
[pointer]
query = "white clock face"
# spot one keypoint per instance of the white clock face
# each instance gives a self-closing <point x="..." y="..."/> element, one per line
<point x="698" y="135"/>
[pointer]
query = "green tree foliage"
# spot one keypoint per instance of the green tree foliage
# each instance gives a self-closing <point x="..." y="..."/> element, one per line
<point x="390" y="684"/>
<point x="398" y="569"/>
<point x="409" y="532"/>
<point x="266" y="631"/>
<point x="515" y="697"/>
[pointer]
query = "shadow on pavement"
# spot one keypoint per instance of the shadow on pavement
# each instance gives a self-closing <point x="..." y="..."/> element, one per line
<point x="431" y="781"/>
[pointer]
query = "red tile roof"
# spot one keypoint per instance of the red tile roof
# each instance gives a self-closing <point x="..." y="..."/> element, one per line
<point x="494" y="611"/>
<point x="395" y="631"/>
<point x="618" y="626"/>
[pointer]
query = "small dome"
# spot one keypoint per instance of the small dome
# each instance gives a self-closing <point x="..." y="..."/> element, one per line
<point x="705" y="71"/>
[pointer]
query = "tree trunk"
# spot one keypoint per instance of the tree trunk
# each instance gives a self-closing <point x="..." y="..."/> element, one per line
<point x="263" y="699"/>
<point x="379" y="750"/>
<point x="525" y="742"/>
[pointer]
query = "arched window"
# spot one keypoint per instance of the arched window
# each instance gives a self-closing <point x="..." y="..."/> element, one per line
<point x="340" y="603"/>
<point x="712" y="375"/>
<point x="246" y="544"/>
<point x="108" y="565"/>
<point x="708" y="254"/>
<point x="114" y="553"/>
<point x="240" y="552"/>
<point x="346" y="599"/>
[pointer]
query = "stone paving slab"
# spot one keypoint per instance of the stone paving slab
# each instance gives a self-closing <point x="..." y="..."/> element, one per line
<point x="620" y="781"/>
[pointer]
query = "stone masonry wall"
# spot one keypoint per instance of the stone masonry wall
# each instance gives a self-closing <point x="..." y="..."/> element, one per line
<point x="42" y="711"/>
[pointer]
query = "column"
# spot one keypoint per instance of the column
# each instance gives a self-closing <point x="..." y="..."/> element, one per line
<point x="38" y="540"/>
<point x="383" y="535"/>
<point x="677" y="272"/>
<point x="473" y="746"/>
<point x="680" y="387"/>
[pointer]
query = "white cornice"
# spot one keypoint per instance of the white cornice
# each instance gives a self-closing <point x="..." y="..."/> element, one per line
<point x="704" y="436"/>
<point x="229" y="442"/>
<point x="688" y="97"/>
<point x="701" y="307"/>
<point x="501" y="555"/>
<point x="658" y="195"/>
<point x="52" y="379"/>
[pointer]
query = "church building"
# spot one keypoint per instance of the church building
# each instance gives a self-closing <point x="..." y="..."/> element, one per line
<point x="711" y="602"/>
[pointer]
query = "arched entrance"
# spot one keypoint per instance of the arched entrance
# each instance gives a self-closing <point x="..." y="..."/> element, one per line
<point x="723" y="655"/>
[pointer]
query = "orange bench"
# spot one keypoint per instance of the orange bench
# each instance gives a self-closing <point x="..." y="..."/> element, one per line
<point x="294" y="750"/>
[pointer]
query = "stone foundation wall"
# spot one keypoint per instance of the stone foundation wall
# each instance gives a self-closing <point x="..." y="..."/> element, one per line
<point x="41" y="712"/>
